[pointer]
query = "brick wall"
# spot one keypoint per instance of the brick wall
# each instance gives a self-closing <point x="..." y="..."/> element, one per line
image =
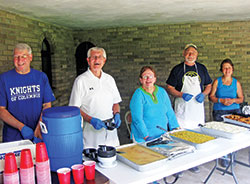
<point x="15" y="29"/>
<point x="128" y="49"/>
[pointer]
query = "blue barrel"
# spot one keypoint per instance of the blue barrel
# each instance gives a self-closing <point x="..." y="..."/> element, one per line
<point x="62" y="133"/>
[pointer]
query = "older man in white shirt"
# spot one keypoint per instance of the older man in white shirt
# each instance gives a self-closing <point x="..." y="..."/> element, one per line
<point x="96" y="94"/>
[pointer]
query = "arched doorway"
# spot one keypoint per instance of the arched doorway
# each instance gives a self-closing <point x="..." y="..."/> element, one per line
<point x="81" y="55"/>
<point x="46" y="60"/>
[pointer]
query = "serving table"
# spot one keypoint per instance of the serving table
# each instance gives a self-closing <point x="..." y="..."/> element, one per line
<point x="124" y="174"/>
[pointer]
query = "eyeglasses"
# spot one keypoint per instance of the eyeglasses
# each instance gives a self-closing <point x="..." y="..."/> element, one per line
<point x="20" y="57"/>
<point x="148" y="77"/>
<point x="191" y="53"/>
<point x="96" y="57"/>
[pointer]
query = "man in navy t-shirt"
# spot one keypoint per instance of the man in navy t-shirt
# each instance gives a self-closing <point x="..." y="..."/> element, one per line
<point x="24" y="93"/>
<point x="189" y="82"/>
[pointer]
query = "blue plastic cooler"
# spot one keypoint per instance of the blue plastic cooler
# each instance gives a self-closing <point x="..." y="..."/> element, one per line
<point x="62" y="133"/>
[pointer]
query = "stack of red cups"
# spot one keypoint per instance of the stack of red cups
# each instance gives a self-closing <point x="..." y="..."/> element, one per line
<point x="27" y="173"/>
<point x="10" y="175"/>
<point x="42" y="164"/>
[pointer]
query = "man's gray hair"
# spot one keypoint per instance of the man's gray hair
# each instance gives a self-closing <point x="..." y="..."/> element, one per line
<point x="23" y="46"/>
<point x="97" y="49"/>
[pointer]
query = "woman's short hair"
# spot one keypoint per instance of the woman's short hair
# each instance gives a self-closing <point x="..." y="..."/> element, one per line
<point x="144" y="68"/>
<point x="226" y="61"/>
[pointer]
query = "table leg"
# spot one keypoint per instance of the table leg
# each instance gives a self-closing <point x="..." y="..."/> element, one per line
<point x="244" y="164"/>
<point x="215" y="166"/>
<point x="241" y="163"/>
<point x="231" y="162"/>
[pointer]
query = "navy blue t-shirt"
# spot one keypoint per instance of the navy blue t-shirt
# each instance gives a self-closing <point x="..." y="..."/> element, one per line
<point x="23" y="96"/>
<point x="175" y="78"/>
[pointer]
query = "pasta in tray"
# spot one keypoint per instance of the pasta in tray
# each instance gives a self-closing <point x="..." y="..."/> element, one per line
<point x="193" y="137"/>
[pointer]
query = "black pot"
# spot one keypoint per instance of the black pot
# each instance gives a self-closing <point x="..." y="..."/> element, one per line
<point x="106" y="151"/>
<point x="110" y="124"/>
<point x="90" y="153"/>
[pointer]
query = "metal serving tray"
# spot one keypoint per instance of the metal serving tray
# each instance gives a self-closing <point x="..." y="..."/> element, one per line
<point x="140" y="167"/>
<point x="239" y="131"/>
<point x="198" y="146"/>
<point x="234" y="121"/>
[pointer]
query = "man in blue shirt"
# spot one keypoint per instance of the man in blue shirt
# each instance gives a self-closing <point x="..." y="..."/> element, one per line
<point x="24" y="93"/>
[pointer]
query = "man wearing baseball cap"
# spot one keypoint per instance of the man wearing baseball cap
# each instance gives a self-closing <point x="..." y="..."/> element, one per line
<point x="189" y="82"/>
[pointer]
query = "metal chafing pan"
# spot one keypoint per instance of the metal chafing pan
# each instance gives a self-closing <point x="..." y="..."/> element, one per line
<point x="227" y="120"/>
<point x="136" y="166"/>
<point x="222" y="129"/>
<point x="205" y="145"/>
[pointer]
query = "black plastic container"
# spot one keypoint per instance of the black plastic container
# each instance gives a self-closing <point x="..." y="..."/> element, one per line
<point x="106" y="151"/>
<point x="110" y="124"/>
<point x="90" y="153"/>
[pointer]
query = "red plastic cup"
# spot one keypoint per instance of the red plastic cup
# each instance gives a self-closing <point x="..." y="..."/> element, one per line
<point x="42" y="164"/>
<point x="78" y="173"/>
<point x="89" y="168"/>
<point x="27" y="172"/>
<point x="26" y="159"/>
<point x="10" y="175"/>
<point x="10" y="163"/>
<point x="63" y="175"/>
<point x="43" y="172"/>
<point x="41" y="152"/>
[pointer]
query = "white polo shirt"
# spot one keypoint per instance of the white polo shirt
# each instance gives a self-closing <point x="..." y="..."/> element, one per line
<point x="96" y="97"/>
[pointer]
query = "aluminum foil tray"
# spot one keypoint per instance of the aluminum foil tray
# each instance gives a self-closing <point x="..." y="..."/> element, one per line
<point x="234" y="121"/>
<point x="141" y="153"/>
<point x="222" y="129"/>
<point x="173" y="148"/>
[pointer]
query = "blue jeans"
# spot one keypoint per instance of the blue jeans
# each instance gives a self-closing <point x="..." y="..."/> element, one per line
<point x="218" y="113"/>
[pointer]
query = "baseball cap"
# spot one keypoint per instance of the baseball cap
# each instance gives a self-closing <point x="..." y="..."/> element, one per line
<point x="190" y="45"/>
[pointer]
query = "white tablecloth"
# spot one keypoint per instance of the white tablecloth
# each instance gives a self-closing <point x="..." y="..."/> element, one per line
<point x="124" y="174"/>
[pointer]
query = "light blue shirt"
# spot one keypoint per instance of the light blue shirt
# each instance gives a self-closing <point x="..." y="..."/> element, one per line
<point x="148" y="112"/>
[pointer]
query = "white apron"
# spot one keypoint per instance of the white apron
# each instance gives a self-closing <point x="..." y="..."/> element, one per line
<point x="92" y="137"/>
<point x="190" y="114"/>
<point x="100" y="103"/>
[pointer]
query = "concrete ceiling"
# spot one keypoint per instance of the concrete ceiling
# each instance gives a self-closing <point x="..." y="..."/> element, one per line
<point x="87" y="14"/>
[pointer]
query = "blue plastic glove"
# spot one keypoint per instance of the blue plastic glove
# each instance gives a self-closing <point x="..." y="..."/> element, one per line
<point x="149" y="138"/>
<point x="97" y="123"/>
<point x="27" y="132"/>
<point x="37" y="140"/>
<point x="117" y="119"/>
<point x="200" y="97"/>
<point x="186" y="97"/>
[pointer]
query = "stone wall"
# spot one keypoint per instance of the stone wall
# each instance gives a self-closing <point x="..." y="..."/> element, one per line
<point x="128" y="49"/>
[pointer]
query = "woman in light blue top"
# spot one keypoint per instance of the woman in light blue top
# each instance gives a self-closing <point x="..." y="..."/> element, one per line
<point x="226" y="92"/>
<point x="150" y="106"/>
